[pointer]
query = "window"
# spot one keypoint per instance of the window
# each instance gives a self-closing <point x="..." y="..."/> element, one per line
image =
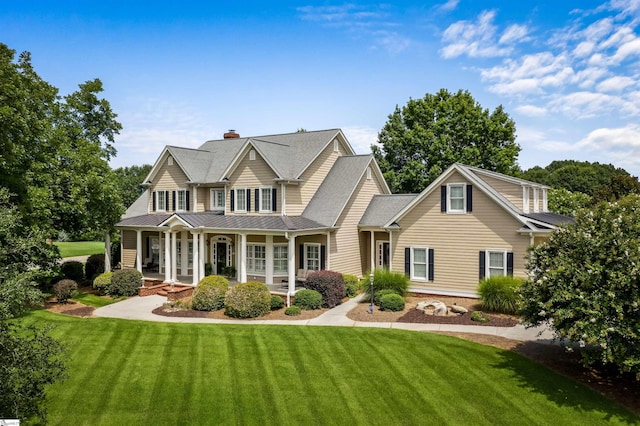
<point x="252" y="155"/>
<point x="419" y="263"/>
<point x="336" y="145"/>
<point x="241" y="200"/>
<point x="170" y="161"/>
<point x="312" y="257"/>
<point x="162" y="199"/>
<point x="181" y="195"/>
<point x="368" y="173"/>
<point x="217" y="199"/>
<point x="496" y="263"/>
<point x="256" y="259"/>
<point x="456" y="202"/>
<point x="280" y="259"/>
<point x="265" y="200"/>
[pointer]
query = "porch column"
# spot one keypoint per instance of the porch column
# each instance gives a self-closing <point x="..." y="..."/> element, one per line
<point x="390" y="250"/>
<point x="184" y="253"/>
<point x="107" y="251"/>
<point x="167" y="256"/>
<point x="243" y="259"/>
<point x="327" y="260"/>
<point x="202" y="255"/>
<point x="195" y="200"/>
<point x="174" y="261"/>
<point x="268" y="258"/>
<point x="373" y="250"/>
<point x="139" y="250"/>
<point x="194" y="261"/>
<point x="291" y="268"/>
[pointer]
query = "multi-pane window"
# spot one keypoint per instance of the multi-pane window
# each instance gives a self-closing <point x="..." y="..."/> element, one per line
<point x="217" y="199"/>
<point x="256" y="259"/>
<point x="280" y="259"/>
<point x="456" y="198"/>
<point x="161" y="201"/>
<point x="312" y="256"/>
<point x="497" y="263"/>
<point x="241" y="200"/>
<point x="265" y="200"/>
<point x="181" y="204"/>
<point x="419" y="263"/>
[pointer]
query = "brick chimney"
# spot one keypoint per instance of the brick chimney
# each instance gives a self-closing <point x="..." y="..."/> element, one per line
<point x="231" y="134"/>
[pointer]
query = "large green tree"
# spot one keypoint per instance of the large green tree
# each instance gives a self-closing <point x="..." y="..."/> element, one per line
<point x="585" y="283"/>
<point x="129" y="180"/>
<point x="426" y="136"/>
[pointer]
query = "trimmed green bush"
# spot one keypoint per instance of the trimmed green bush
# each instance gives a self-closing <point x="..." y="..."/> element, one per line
<point x="102" y="282"/>
<point x="387" y="280"/>
<point x="248" y="300"/>
<point x="293" y="310"/>
<point x="351" y="285"/>
<point x="125" y="282"/>
<point x="391" y="302"/>
<point x="500" y="294"/>
<point x="210" y="293"/>
<point x="480" y="316"/>
<point x="276" y="302"/>
<point x="64" y="289"/>
<point x="73" y="270"/>
<point x="380" y="294"/>
<point x="308" y="299"/>
<point x="329" y="284"/>
<point x="94" y="266"/>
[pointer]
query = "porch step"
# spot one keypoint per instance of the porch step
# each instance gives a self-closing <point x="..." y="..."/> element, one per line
<point x="162" y="292"/>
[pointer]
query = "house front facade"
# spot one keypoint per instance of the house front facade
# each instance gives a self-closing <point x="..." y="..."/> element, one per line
<point x="263" y="208"/>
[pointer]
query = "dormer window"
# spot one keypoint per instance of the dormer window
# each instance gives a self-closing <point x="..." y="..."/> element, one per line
<point x="252" y="155"/>
<point x="368" y="173"/>
<point x="456" y="198"/>
<point x="336" y="146"/>
<point x="170" y="161"/>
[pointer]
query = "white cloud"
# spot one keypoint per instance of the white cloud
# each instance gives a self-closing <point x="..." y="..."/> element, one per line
<point x="615" y="84"/>
<point x="391" y="41"/>
<point x="514" y="33"/>
<point x="622" y="138"/>
<point x="448" y="6"/>
<point x="474" y="39"/>
<point x="361" y="138"/>
<point x="531" y="110"/>
<point x="534" y="138"/>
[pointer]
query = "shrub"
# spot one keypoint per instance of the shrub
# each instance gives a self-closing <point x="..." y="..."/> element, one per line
<point x="94" y="266"/>
<point x="387" y="280"/>
<point x="500" y="294"/>
<point x="479" y="316"/>
<point x="102" y="282"/>
<point x="72" y="270"/>
<point x="208" y="269"/>
<point x="209" y="294"/>
<point x="380" y="294"/>
<point x="276" y="302"/>
<point x="391" y="302"/>
<point x="308" y="299"/>
<point x="125" y="282"/>
<point x="293" y="310"/>
<point x="64" y="289"/>
<point x="351" y="285"/>
<point x="329" y="284"/>
<point x="248" y="300"/>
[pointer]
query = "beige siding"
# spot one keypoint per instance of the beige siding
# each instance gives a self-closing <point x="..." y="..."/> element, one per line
<point x="203" y="200"/>
<point x="129" y="249"/>
<point x="252" y="174"/>
<point x="346" y="249"/>
<point x="511" y="191"/>
<point x="457" y="240"/>
<point x="168" y="178"/>
<point x="298" y="196"/>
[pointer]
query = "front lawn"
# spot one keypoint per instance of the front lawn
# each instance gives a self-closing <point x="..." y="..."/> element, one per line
<point x="91" y="299"/>
<point x="80" y="248"/>
<point x="135" y="373"/>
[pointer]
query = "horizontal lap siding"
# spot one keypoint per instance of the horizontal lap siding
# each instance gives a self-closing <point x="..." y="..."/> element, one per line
<point x="510" y="191"/>
<point x="129" y="243"/>
<point x="252" y="174"/>
<point x="168" y="178"/>
<point x="457" y="239"/>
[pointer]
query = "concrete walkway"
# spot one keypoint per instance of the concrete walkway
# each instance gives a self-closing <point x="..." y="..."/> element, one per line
<point x="140" y="308"/>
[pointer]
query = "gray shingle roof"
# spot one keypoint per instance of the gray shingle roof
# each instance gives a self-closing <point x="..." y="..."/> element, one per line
<point x="139" y="206"/>
<point x="550" y="218"/>
<point x="333" y="194"/>
<point x="383" y="207"/>
<point x="144" y="220"/>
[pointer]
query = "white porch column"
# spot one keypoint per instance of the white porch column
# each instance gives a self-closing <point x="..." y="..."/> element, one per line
<point x="201" y="256"/>
<point x="184" y="253"/>
<point x="196" y="255"/>
<point x="195" y="200"/>
<point x="243" y="259"/>
<point x="327" y="260"/>
<point x="291" y="267"/>
<point x="139" y="250"/>
<point x="268" y="258"/>
<point x="167" y="256"/>
<point x="373" y="250"/>
<point x="174" y="261"/>
<point x="107" y="251"/>
<point x="390" y="250"/>
<point x="283" y="200"/>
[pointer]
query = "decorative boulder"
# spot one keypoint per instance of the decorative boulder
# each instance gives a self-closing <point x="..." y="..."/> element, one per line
<point x="458" y="309"/>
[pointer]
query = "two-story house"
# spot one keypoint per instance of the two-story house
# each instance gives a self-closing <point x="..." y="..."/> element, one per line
<point x="272" y="205"/>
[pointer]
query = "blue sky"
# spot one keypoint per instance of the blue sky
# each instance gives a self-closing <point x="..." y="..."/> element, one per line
<point x="181" y="73"/>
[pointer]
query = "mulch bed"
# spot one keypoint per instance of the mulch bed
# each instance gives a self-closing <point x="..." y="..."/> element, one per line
<point x="417" y="316"/>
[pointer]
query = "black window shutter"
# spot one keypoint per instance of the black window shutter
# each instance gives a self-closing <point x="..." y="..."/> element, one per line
<point x="173" y="195"/>
<point x="148" y="246"/>
<point x="154" y="200"/>
<point x="274" y="200"/>
<point x="510" y="264"/>
<point x="257" y="199"/>
<point x="301" y="257"/>
<point x="248" y="200"/>
<point x="482" y="265"/>
<point x="443" y="198"/>
<point x="323" y="256"/>
<point x="166" y="200"/>
<point x="232" y="194"/>
<point x="407" y="261"/>
<point x="431" y="262"/>
<point x="187" y="200"/>
<point x="469" y="198"/>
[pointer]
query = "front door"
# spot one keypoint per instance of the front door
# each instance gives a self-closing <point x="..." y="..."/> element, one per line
<point x="383" y="255"/>
<point x="221" y="257"/>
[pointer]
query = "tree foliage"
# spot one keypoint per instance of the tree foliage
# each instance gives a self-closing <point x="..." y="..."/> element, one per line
<point x="585" y="279"/>
<point x="129" y="180"/>
<point x="566" y="202"/>
<point x="426" y="136"/>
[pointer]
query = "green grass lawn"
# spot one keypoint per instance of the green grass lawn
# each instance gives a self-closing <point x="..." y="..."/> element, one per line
<point x="138" y="373"/>
<point x="80" y="248"/>
<point x="94" y="300"/>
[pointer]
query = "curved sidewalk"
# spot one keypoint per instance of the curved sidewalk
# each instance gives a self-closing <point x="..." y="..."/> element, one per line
<point x="140" y="308"/>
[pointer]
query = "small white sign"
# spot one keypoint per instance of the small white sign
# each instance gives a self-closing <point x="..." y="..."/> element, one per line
<point x="9" y="422"/>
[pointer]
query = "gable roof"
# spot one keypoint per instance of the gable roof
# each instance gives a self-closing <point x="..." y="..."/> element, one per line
<point x="139" y="206"/>
<point x="383" y="207"/>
